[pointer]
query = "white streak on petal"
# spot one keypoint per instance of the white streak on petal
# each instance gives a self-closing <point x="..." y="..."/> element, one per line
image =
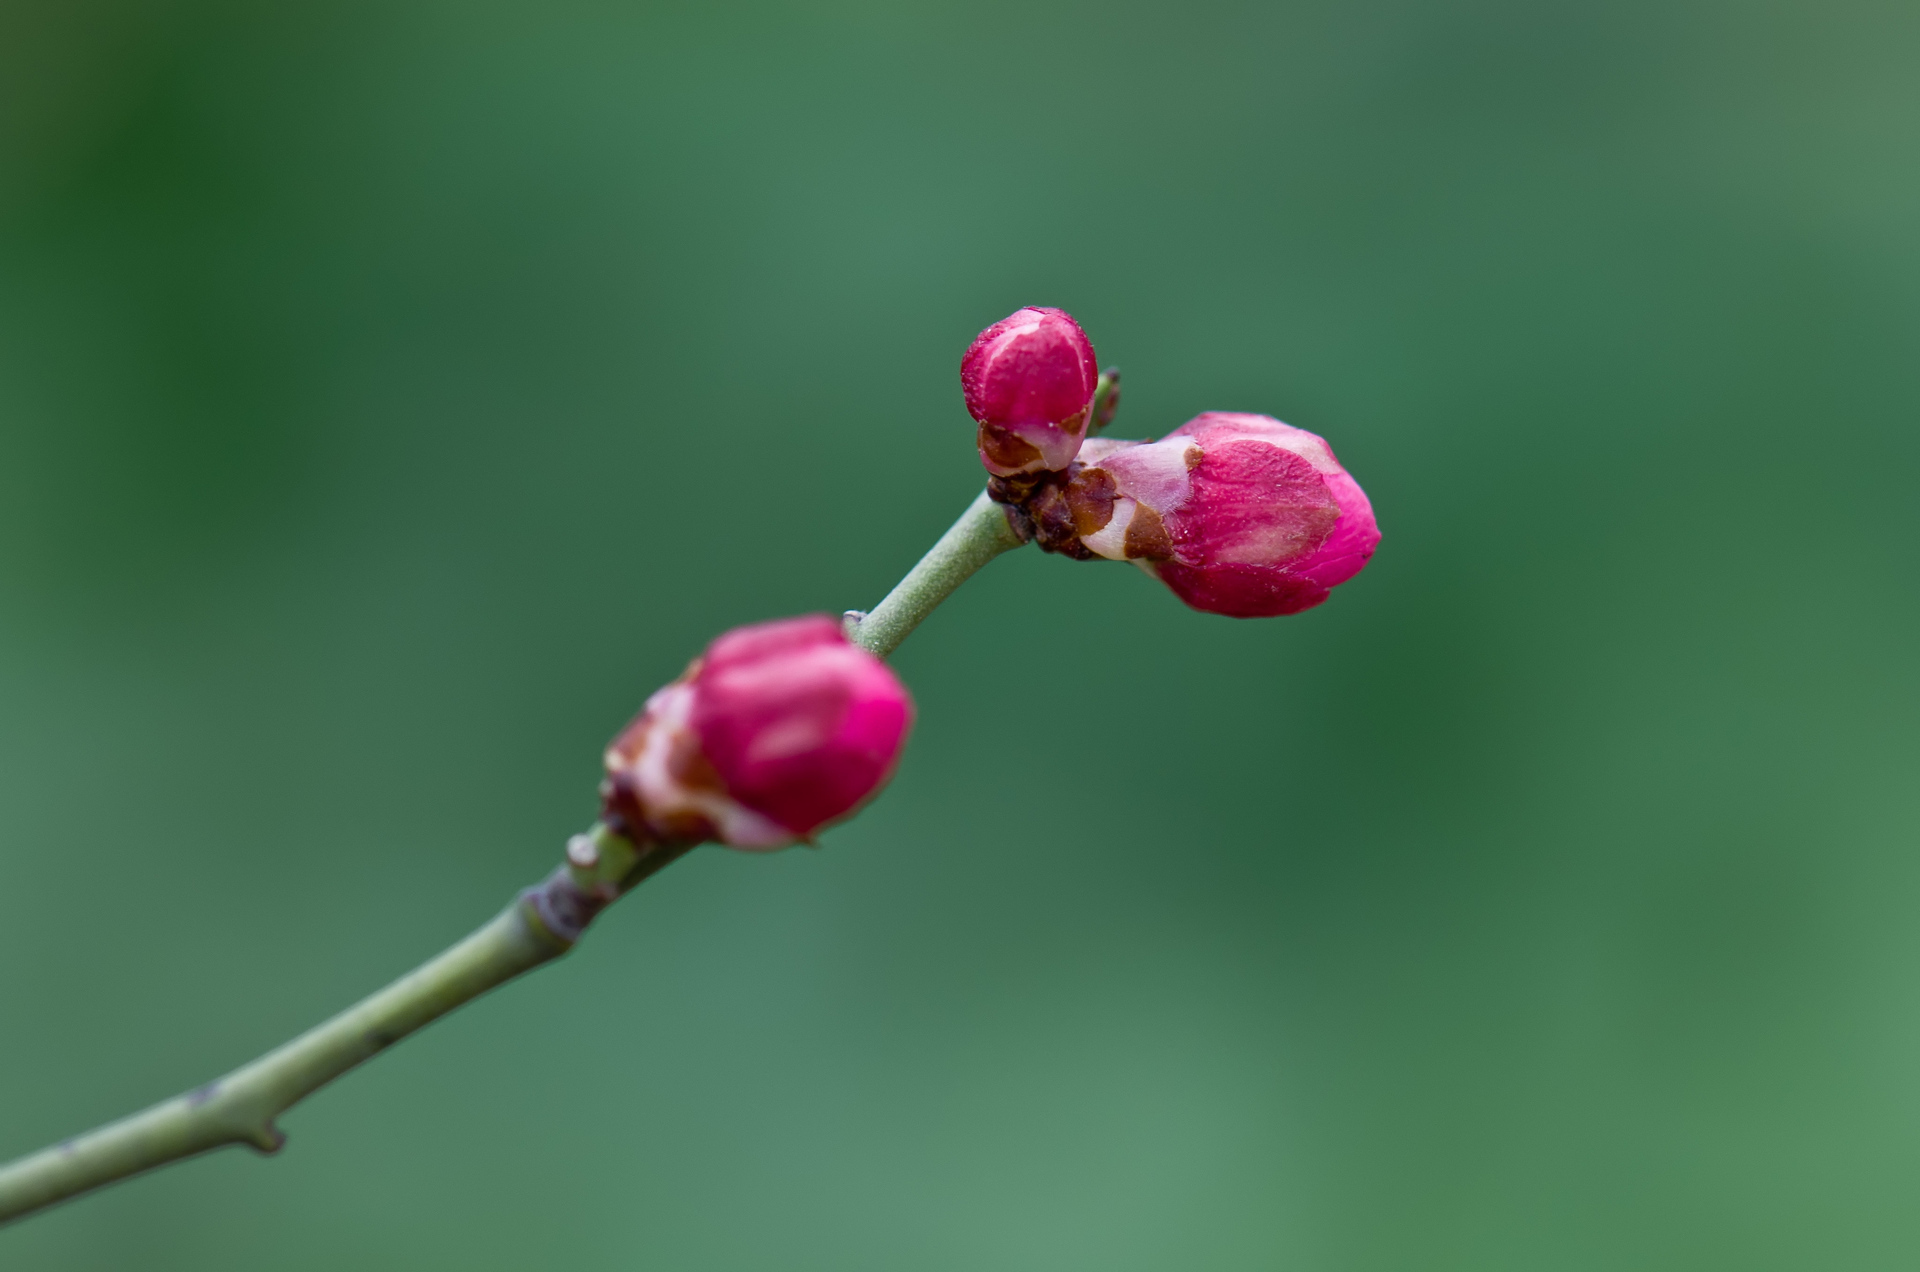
<point x="1110" y="540"/>
<point x="670" y="710"/>
<point x="1307" y="447"/>
<point x="1154" y="474"/>
<point x="741" y="827"/>
<point x="1095" y="449"/>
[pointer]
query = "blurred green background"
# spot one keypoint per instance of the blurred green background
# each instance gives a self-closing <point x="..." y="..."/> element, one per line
<point x="392" y="394"/>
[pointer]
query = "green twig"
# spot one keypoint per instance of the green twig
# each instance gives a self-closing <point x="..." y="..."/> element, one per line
<point x="543" y="923"/>
<point x="240" y="1108"/>
<point x="1106" y="400"/>
<point x="981" y="534"/>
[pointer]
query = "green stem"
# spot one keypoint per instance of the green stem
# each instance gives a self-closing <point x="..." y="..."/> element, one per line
<point x="981" y="534"/>
<point x="240" y="1108"/>
<point x="1106" y="400"/>
<point x="543" y="923"/>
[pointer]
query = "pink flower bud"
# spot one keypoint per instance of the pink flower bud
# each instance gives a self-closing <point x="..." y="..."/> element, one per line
<point x="1029" y="381"/>
<point x="776" y="731"/>
<point x="1238" y="514"/>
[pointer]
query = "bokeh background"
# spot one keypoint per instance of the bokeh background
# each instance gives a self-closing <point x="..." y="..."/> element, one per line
<point x="392" y="394"/>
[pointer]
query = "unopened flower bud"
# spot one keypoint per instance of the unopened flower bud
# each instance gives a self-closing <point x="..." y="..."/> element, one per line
<point x="1238" y="514"/>
<point x="778" y="730"/>
<point x="1029" y="381"/>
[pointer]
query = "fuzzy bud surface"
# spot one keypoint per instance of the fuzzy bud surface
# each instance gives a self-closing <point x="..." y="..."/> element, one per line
<point x="1030" y="380"/>
<point x="778" y="730"/>
<point x="1238" y="514"/>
